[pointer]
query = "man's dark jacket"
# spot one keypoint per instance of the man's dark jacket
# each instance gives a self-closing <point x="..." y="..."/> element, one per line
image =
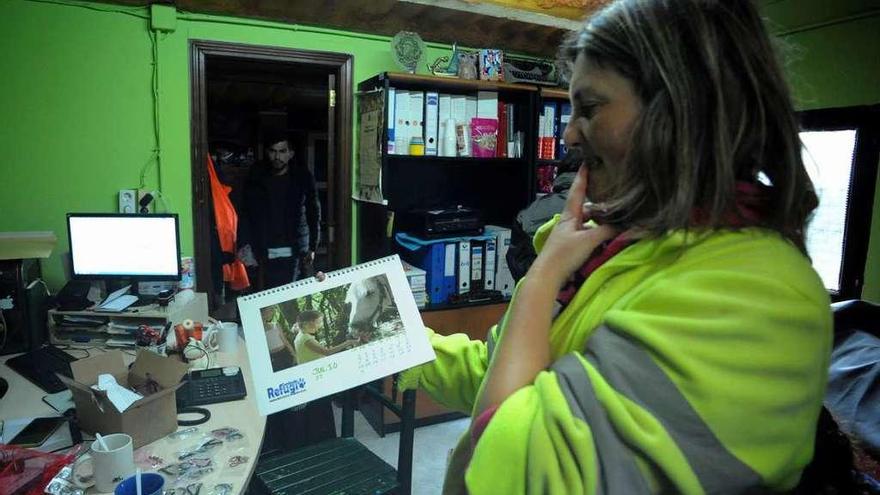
<point x="302" y="205"/>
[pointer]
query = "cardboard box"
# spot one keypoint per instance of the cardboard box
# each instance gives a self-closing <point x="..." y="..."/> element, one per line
<point x="148" y="419"/>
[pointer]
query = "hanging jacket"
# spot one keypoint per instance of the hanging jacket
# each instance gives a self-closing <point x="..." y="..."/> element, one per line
<point x="685" y="364"/>
<point x="226" y="221"/>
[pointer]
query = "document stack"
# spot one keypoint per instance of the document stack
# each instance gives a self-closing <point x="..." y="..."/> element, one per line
<point x="417" y="279"/>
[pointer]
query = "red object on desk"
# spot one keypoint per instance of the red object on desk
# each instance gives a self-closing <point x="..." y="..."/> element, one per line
<point x="28" y="471"/>
<point x="182" y="335"/>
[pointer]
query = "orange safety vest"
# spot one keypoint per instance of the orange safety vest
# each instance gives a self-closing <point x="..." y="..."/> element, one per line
<point x="227" y="225"/>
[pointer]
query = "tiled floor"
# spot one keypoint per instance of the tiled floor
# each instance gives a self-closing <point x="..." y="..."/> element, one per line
<point x="431" y="445"/>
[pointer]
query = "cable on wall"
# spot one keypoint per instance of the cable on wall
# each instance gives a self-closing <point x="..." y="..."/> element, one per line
<point x="156" y="154"/>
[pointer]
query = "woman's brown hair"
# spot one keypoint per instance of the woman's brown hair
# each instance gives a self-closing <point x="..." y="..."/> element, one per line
<point x="716" y="110"/>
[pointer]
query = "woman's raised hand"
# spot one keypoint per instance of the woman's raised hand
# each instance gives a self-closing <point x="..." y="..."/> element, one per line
<point x="571" y="242"/>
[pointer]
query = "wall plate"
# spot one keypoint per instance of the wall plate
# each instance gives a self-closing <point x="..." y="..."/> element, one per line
<point x="128" y="201"/>
<point x="150" y="207"/>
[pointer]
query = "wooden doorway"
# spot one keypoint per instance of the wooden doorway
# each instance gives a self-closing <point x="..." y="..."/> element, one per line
<point x="249" y="70"/>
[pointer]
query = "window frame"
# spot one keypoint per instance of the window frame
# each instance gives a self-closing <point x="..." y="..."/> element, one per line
<point x="860" y="202"/>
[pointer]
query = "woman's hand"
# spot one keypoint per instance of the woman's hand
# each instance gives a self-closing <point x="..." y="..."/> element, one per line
<point x="320" y="276"/>
<point x="571" y="242"/>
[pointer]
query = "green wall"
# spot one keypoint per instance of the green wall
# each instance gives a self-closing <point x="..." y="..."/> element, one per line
<point x="77" y="110"/>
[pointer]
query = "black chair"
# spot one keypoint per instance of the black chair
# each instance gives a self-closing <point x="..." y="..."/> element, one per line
<point x="343" y="464"/>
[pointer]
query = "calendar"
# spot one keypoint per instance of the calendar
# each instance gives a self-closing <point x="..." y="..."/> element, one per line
<point x="310" y="339"/>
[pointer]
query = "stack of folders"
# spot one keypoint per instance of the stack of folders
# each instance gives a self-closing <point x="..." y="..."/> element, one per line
<point x="458" y="266"/>
<point x="443" y="120"/>
<point x="551" y="126"/>
<point x="417" y="283"/>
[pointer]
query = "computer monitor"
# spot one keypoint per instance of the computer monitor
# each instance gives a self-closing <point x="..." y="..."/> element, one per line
<point x="124" y="246"/>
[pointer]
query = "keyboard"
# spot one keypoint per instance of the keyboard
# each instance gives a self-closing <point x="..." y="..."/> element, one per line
<point x="40" y="365"/>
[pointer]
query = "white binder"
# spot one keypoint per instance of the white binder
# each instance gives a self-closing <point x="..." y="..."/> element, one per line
<point x="432" y="138"/>
<point x="464" y="267"/>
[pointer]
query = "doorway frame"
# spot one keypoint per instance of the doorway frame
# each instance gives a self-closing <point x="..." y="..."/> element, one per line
<point x="202" y="206"/>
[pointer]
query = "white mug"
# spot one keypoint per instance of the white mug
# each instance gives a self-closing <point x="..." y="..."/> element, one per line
<point x="113" y="465"/>
<point x="228" y="332"/>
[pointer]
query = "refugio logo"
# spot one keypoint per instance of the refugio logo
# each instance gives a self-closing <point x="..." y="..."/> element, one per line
<point x="286" y="389"/>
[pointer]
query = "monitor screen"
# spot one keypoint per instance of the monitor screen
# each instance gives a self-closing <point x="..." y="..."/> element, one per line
<point x="142" y="247"/>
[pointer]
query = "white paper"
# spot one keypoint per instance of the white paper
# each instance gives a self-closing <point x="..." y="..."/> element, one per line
<point x="370" y="304"/>
<point x="117" y="293"/>
<point x="121" y="397"/>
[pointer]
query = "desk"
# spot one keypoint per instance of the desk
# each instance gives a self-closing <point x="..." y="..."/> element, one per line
<point x="24" y="399"/>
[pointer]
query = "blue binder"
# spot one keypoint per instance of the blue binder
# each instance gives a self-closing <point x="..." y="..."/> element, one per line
<point x="432" y="259"/>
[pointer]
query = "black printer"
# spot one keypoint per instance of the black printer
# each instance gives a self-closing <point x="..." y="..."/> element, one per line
<point x="441" y="222"/>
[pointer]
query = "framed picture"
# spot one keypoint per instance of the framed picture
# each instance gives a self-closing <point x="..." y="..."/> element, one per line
<point x="491" y="64"/>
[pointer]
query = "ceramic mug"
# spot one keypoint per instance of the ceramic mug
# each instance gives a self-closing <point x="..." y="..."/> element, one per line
<point x="151" y="484"/>
<point x="228" y="333"/>
<point x="113" y="465"/>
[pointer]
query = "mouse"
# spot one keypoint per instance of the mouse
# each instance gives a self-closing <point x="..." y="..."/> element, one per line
<point x="4" y="386"/>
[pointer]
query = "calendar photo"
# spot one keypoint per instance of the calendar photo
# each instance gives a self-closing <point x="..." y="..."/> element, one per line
<point x="310" y="339"/>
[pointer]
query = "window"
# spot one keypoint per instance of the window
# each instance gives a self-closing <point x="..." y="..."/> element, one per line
<point x="828" y="156"/>
<point x="840" y="153"/>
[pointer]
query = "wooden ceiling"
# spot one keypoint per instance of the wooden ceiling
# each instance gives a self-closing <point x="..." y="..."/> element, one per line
<point x="469" y="23"/>
<point x="478" y="23"/>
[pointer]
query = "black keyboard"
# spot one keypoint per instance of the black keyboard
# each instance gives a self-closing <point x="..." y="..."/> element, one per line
<point x="40" y="365"/>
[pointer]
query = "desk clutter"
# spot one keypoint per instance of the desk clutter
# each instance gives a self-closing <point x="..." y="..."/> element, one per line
<point x="124" y="328"/>
<point x="154" y="377"/>
<point x="179" y="463"/>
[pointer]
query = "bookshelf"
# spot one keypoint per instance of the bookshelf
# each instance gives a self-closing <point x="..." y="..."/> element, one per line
<point x="499" y="187"/>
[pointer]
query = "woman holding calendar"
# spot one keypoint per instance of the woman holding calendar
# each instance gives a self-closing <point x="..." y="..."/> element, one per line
<point x="671" y="336"/>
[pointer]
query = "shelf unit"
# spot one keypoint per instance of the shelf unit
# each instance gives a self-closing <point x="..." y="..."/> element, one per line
<point x="118" y="328"/>
<point x="498" y="187"/>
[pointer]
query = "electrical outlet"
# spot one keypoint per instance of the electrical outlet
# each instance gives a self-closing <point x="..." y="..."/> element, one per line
<point x="146" y="201"/>
<point x="128" y="201"/>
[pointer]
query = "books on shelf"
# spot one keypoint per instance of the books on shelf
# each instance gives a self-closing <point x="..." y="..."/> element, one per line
<point x="449" y="269"/>
<point x="428" y="115"/>
<point x="417" y="283"/>
<point x="554" y="118"/>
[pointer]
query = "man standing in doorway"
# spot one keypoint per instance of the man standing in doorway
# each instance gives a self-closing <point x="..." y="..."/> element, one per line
<point x="281" y="231"/>
<point x="282" y="216"/>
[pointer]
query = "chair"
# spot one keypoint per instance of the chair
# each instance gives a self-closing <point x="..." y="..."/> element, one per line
<point x="343" y="464"/>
